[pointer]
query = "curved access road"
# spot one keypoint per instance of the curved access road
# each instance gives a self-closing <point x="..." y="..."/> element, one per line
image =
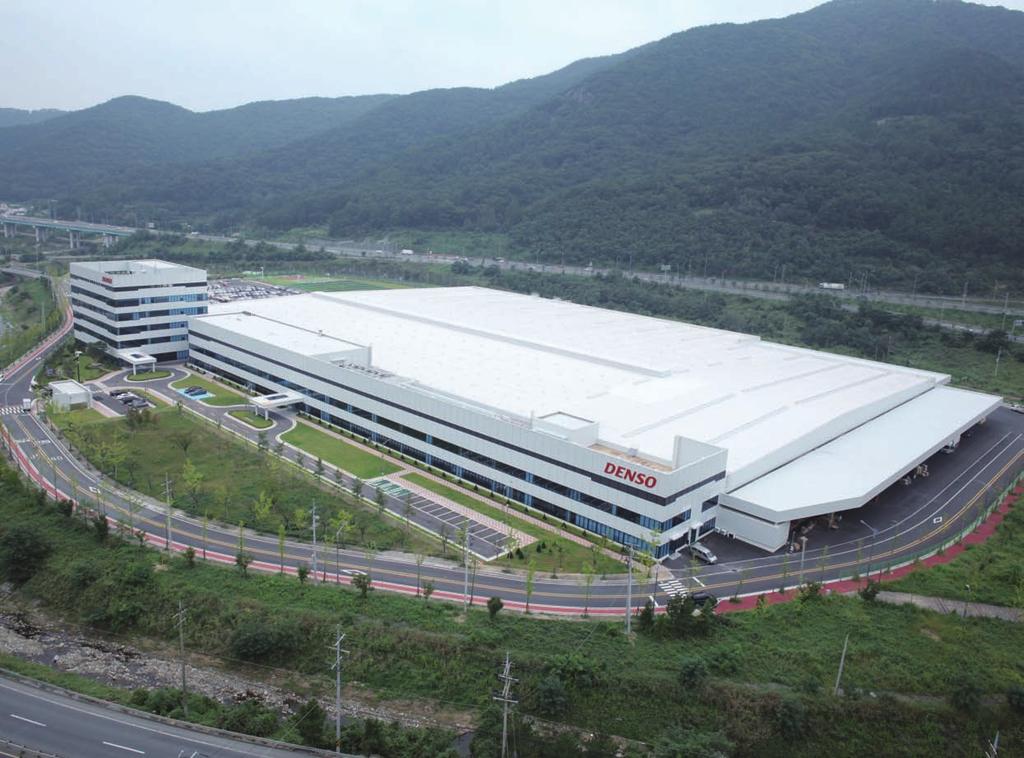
<point x="903" y="523"/>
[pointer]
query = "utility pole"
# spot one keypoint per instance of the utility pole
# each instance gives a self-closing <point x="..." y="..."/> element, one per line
<point x="963" y="298"/>
<point x="842" y="662"/>
<point x="803" y="552"/>
<point x="1006" y="307"/>
<point x="999" y="356"/>
<point x="992" y="751"/>
<point x="167" y="500"/>
<point x="465" y="566"/>
<point x="338" y="652"/>
<point x="179" y="619"/>
<point x="314" y="542"/>
<point x="506" y="699"/>
<point x="629" y="590"/>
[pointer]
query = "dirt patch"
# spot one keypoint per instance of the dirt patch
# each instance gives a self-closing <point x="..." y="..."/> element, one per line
<point x="31" y="634"/>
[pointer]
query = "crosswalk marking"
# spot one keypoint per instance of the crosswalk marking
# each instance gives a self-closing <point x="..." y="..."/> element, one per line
<point x="9" y="409"/>
<point x="672" y="587"/>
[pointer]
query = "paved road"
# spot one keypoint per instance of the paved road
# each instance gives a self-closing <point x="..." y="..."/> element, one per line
<point x="909" y="521"/>
<point x="54" y="723"/>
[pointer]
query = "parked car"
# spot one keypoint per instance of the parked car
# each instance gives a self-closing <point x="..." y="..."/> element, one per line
<point x="698" y="550"/>
<point x="117" y="393"/>
<point x="700" y="599"/>
<point x="194" y="391"/>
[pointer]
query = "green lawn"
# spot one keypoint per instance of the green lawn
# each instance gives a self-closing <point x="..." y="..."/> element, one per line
<point x="145" y="376"/>
<point x="313" y="283"/>
<point x="221" y="396"/>
<point x="232" y="477"/>
<point x="77" y="416"/>
<point x="339" y="453"/>
<point x="406" y="649"/>
<point x="252" y="419"/>
<point x="571" y="558"/>
<point x="994" y="570"/>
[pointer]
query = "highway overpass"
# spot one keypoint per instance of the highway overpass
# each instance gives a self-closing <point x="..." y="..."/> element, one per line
<point x="42" y="228"/>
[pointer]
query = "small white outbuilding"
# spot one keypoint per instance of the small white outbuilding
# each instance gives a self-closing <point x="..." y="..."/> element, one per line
<point x="69" y="394"/>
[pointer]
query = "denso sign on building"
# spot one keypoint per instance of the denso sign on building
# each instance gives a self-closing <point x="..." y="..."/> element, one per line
<point x="636" y="477"/>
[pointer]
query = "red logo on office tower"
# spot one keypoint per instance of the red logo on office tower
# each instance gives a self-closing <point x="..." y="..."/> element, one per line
<point x="637" y="477"/>
<point x="108" y="280"/>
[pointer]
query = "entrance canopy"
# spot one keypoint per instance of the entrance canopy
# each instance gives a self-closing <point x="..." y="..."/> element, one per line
<point x="266" y="403"/>
<point x="135" y="359"/>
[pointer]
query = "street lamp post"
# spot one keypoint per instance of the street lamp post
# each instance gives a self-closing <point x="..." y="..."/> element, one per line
<point x="803" y="552"/>
<point x="78" y="366"/>
<point x="871" y="551"/>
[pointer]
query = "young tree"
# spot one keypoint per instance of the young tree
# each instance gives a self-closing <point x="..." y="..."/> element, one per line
<point x="262" y="441"/>
<point x="319" y="468"/>
<point x="357" y="487"/>
<point x="183" y="440"/>
<point x="588" y="583"/>
<point x="378" y="496"/>
<point x="280" y="545"/>
<point x="279" y="449"/>
<point x="494" y="605"/>
<point x="445" y="534"/>
<point x="531" y="574"/>
<point x="206" y="524"/>
<point x="419" y="570"/>
<point x="428" y="590"/>
<point x="242" y="560"/>
<point x="262" y="508"/>
<point x="339" y="477"/>
<point x="302" y="572"/>
<point x="362" y="582"/>
<point x="192" y="479"/>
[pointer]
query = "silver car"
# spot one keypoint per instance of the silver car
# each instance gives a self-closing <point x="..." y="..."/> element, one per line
<point x="697" y="550"/>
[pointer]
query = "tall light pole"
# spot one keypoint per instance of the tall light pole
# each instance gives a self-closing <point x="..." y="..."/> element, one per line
<point x="629" y="590"/>
<point x="871" y="550"/>
<point x="314" y="542"/>
<point x="803" y="552"/>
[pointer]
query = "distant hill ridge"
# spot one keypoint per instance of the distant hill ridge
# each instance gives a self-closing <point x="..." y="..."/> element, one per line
<point x="867" y="137"/>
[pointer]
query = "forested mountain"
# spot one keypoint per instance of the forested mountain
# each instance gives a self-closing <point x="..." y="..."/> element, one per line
<point x="71" y="153"/>
<point x="16" y="117"/>
<point x="877" y="138"/>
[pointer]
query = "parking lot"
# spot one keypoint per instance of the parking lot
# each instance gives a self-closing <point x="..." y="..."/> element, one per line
<point x="230" y="290"/>
<point x="120" y="401"/>
<point x="484" y="541"/>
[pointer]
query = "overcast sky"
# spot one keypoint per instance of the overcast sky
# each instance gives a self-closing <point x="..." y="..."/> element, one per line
<point x="208" y="54"/>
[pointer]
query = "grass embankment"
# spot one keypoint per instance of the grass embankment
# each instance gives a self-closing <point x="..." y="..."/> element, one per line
<point x="64" y="365"/>
<point x="768" y="669"/>
<point x="253" y="420"/>
<point x="557" y="554"/>
<point x="338" y="452"/>
<point x="29" y="313"/>
<point x="221" y="396"/>
<point x="994" y="570"/>
<point x="145" y="376"/>
<point x="224" y="478"/>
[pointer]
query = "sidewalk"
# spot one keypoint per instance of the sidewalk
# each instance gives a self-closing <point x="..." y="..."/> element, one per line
<point x="959" y="607"/>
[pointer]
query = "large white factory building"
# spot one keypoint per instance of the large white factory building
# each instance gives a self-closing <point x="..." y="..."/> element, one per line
<point x="636" y="428"/>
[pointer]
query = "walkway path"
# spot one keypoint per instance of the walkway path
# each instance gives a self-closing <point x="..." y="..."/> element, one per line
<point x="959" y="607"/>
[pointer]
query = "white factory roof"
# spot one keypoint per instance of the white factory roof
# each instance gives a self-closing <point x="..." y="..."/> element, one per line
<point x="643" y="380"/>
<point x="146" y="266"/>
<point x="853" y="468"/>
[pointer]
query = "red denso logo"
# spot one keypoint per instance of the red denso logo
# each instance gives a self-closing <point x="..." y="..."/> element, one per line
<point x="637" y="477"/>
<point x="108" y="280"/>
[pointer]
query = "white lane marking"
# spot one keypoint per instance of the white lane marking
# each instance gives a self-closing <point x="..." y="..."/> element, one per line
<point x="27" y="721"/>
<point x="184" y="737"/>
<point x="698" y="581"/>
<point x="122" y="747"/>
